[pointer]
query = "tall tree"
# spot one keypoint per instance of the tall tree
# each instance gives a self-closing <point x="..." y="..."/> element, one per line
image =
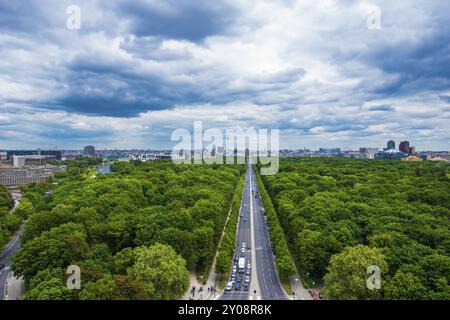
<point x="347" y="274"/>
<point x="162" y="271"/>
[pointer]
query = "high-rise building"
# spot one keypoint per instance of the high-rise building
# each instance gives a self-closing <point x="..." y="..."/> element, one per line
<point x="412" y="150"/>
<point x="391" y="145"/>
<point x="404" y="147"/>
<point x="89" y="151"/>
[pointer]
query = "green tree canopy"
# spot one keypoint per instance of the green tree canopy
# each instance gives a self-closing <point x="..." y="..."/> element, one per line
<point x="347" y="274"/>
<point x="162" y="272"/>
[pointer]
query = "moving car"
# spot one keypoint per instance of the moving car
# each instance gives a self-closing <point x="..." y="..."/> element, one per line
<point x="234" y="268"/>
<point x="246" y="284"/>
<point x="243" y="244"/>
<point x="249" y="269"/>
<point x="238" y="283"/>
<point x="229" y="286"/>
<point x="247" y="279"/>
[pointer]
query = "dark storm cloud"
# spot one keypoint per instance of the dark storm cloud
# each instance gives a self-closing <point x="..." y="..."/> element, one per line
<point x="178" y="19"/>
<point x="422" y="60"/>
<point x="318" y="72"/>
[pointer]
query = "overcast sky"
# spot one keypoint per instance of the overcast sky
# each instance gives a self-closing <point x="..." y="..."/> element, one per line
<point x="137" y="70"/>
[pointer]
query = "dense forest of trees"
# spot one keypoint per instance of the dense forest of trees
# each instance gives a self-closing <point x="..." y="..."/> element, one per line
<point x="228" y="244"/>
<point x="342" y="215"/>
<point x="134" y="233"/>
<point x="9" y="222"/>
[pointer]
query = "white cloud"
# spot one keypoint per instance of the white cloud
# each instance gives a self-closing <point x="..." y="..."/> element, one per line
<point x="310" y="68"/>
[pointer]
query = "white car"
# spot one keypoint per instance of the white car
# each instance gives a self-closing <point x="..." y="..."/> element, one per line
<point x="247" y="279"/>
<point x="234" y="268"/>
<point x="243" y="244"/>
<point x="243" y="250"/>
<point x="249" y="269"/>
<point x="229" y="286"/>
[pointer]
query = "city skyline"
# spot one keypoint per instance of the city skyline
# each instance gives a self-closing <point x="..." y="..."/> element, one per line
<point x="387" y="146"/>
<point x="315" y="70"/>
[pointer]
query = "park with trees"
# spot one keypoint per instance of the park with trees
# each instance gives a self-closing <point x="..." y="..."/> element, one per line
<point x="342" y="215"/>
<point x="135" y="233"/>
<point x="9" y="221"/>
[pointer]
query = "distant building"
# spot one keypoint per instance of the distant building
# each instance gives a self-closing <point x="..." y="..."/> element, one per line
<point x="16" y="176"/>
<point x="330" y="150"/>
<point x="437" y="159"/>
<point x="89" y="151"/>
<point x="359" y="155"/>
<point x="49" y="154"/>
<point x="368" y="150"/>
<point x="362" y="150"/>
<point x="391" y="145"/>
<point x="29" y="160"/>
<point x="412" y="158"/>
<point x="404" y="147"/>
<point x="412" y="150"/>
<point x="390" y="154"/>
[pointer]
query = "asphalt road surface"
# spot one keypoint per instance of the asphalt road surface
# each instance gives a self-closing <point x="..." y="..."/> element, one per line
<point x="252" y="224"/>
<point x="243" y="235"/>
<point x="269" y="281"/>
